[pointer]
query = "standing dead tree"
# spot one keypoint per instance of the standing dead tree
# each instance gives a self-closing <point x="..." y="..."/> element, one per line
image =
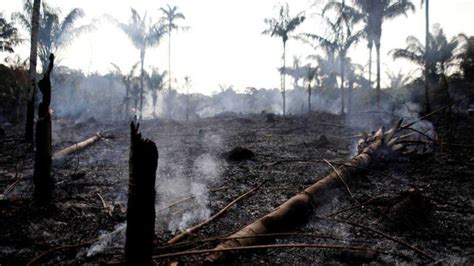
<point x="371" y="149"/>
<point x="141" y="199"/>
<point x="42" y="172"/>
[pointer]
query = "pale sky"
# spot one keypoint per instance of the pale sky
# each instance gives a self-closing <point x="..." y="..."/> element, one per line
<point x="224" y="44"/>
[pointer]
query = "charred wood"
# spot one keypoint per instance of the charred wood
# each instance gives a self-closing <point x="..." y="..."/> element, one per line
<point x="141" y="199"/>
<point x="42" y="171"/>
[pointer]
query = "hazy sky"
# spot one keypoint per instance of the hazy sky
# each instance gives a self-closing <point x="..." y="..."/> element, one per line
<point x="224" y="44"/>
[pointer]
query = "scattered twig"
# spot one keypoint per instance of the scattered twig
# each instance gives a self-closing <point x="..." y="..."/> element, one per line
<point x="342" y="179"/>
<point x="353" y="207"/>
<point x="226" y="237"/>
<point x="422" y="133"/>
<point x="188" y="198"/>
<point x="40" y="256"/>
<point x="305" y="245"/>
<point x="432" y="113"/>
<point x="403" y="243"/>
<point x="193" y="229"/>
<point x="104" y="204"/>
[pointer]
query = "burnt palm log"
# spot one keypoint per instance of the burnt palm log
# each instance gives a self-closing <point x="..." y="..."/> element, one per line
<point x="372" y="149"/>
<point x="141" y="199"/>
<point x="42" y="178"/>
<point x="64" y="153"/>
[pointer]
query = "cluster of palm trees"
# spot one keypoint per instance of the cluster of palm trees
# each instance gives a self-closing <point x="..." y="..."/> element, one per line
<point x="51" y="33"/>
<point x="351" y="22"/>
<point x="145" y="33"/>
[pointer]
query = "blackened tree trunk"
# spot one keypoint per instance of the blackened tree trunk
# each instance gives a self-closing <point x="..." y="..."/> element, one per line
<point x="283" y="79"/>
<point x="427" y="54"/>
<point x="141" y="199"/>
<point x="30" y="108"/>
<point x="142" y="76"/>
<point x="42" y="171"/>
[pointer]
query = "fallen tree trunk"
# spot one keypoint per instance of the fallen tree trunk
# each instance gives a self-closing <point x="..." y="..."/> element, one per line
<point x="371" y="149"/>
<point x="64" y="153"/>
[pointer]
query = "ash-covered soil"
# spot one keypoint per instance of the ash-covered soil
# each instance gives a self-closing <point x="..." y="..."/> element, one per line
<point x="425" y="201"/>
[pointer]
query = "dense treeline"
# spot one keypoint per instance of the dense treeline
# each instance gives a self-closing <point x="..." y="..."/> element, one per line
<point x="328" y="80"/>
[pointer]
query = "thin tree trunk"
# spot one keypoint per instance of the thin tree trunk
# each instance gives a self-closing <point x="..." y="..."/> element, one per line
<point x="142" y="62"/>
<point x="42" y="169"/>
<point x="349" y="98"/>
<point x="309" y="98"/>
<point x="127" y="89"/>
<point x="283" y="81"/>
<point x="187" y="105"/>
<point x="141" y="199"/>
<point x="370" y="65"/>
<point x="377" y="48"/>
<point x="342" y="83"/>
<point x="30" y="108"/>
<point x="169" y="58"/>
<point x="427" y="53"/>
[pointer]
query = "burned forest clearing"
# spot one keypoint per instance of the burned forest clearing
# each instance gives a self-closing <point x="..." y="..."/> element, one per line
<point x="424" y="202"/>
<point x="321" y="132"/>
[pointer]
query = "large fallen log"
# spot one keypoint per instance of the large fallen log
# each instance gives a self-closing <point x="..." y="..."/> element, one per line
<point x="372" y="148"/>
<point x="64" y="153"/>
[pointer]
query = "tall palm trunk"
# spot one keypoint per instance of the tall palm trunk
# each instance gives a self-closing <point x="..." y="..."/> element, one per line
<point x="142" y="73"/>
<point x="342" y="82"/>
<point x="30" y="109"/>
<point x="377" y="48"/>
<point x="169" y="58"/>
<point x="427" y="53"/>
<point x="283" y="81"/>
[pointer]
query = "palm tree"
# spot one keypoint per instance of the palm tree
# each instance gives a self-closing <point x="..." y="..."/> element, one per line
<point x="467" y="59"/>
<point x="156" y="82"/>
<point x="340" y="39"/>
<point x="353" y="76"/>
<point x="437" y="62"/>
<point x="170" y="16"/>
<point x="144" y="34"/>
<point x="54" y="34"/>
<point x="187" y="84"/>
<point x="8" y="36"/>
<point x="127" y="82"/>
<point x="374" y="13"/>
<point x="281" y="27"/>
<point x="30" y="108"/>
<point x="427" y="45"/>
<point x="312" y="73"/>
<point x="382" y="10"/>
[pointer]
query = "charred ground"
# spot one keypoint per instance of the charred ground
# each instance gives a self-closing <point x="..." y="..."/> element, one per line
<point x="424" y="200"/>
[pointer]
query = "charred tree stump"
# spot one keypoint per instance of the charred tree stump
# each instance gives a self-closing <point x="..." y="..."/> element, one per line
<point x="141" y="199"/>
<point x="42" y="171"/>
